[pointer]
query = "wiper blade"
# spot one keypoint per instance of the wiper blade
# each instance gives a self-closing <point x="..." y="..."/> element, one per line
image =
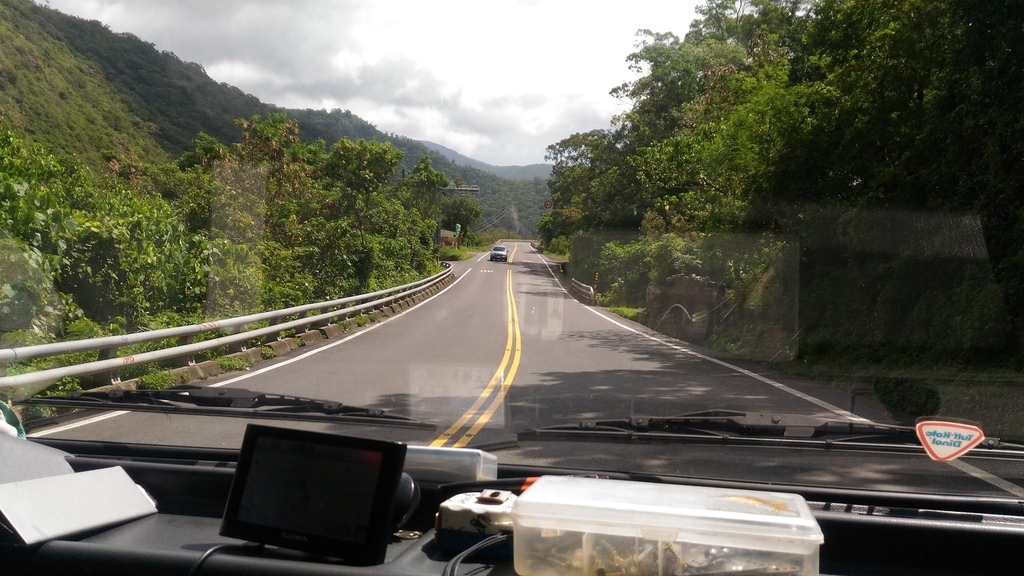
<point x="233" y="402"/>
<point x="738" y="426"/>
<point x="783" y="425"/>
<point x="725" y="423"/>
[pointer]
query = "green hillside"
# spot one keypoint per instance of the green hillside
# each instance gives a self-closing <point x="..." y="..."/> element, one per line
<point x="57" y="97"/>
<point x="79" y="88"/>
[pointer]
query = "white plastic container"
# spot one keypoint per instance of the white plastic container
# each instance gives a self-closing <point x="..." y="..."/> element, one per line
<point x="429" y="464"/>
<point x="595" y="527"/>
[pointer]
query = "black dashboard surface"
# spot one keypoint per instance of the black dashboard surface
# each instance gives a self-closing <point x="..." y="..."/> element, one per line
<point x="921" y="536"/>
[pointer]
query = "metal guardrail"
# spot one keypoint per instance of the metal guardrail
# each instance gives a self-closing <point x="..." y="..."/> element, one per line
<point x="532" y="243"/>
<point x="582" y="292"/>
<point x="108" y="345"/>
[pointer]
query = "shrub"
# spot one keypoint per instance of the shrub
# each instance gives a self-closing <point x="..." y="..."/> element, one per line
<point x="558" y="245"/>
<point x="669" y="255"/>
<point x="624" y="272"/>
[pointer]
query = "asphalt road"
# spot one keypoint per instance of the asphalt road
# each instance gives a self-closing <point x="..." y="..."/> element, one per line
<point x="503" y="349"/>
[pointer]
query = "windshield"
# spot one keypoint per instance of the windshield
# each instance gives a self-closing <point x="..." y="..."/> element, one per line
<point x="776" y="215"/>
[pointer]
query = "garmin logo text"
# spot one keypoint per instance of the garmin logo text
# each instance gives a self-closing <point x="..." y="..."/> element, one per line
<point x="294" y="536"/>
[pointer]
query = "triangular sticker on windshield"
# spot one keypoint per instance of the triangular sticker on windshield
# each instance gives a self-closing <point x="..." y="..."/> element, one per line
<point x="945" y="441"/>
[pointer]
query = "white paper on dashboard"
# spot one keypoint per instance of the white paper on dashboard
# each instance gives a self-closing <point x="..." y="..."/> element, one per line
<point x="46" y="508"/>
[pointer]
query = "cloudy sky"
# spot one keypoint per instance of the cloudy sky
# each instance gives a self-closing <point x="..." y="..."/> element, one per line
<point x="497" y="81"/>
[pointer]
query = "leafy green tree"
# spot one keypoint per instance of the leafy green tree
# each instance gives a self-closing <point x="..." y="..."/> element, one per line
<point x="462" y="210"/>
<point x="420" y="187"/>
<point x="721" y="21"/>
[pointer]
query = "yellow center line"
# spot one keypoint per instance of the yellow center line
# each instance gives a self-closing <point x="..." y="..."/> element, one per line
<point x="513" y="254"/>
<point x="507" y="383"/>
<point x="495" y="380"/>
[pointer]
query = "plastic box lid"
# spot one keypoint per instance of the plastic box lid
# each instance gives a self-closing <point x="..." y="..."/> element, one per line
<point x="667" y="512"/>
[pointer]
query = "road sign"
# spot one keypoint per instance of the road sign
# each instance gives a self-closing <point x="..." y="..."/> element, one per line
<point x="548" y="204"/>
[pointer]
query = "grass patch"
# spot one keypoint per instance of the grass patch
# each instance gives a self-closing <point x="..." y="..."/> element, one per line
<point x="156" y="381"/>
<point x="449" y="254"/>
<point x="64" y="386"/>
<point x="634" y="314"/>
<point x="230" y="363"/>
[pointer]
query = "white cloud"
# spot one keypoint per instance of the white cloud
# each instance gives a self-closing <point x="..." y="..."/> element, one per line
<point x="498" y="82"/>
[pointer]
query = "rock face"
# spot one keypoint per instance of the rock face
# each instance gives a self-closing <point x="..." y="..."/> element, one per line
<point x="687" y="308"/>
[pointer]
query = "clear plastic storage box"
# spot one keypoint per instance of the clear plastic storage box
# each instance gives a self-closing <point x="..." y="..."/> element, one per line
<point x="596" y="527"/>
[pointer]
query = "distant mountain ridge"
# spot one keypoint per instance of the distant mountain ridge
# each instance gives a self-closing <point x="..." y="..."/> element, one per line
<point x="102" y="94"/>
<point x="527" y="172"/>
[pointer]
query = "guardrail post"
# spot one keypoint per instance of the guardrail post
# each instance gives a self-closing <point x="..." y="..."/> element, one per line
<point x="113" y="376"/>
<point x="237" y="346"/>
<point x="266" y="339"/>
<point x="318" y="324"/>
<point x="189" y="360"/>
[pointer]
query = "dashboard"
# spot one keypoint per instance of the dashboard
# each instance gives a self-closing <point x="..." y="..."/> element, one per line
<point x="864" y="532"/>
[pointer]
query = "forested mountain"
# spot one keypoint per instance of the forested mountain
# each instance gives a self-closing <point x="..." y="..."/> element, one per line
<point x="528" y="172"/>
<point x="76" y="86"/>
<point x="60" y="98"/>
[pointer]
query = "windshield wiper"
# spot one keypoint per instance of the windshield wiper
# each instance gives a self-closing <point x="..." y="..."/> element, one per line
<point x="725" y="426"/>
<point x="233" y="402"/>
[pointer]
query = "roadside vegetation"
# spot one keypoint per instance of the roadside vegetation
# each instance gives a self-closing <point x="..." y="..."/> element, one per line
<point x="858" y="157"/>
<point x="224" y="230"/>
<point x="845" y="172"/>
<point x="452" y="254"/>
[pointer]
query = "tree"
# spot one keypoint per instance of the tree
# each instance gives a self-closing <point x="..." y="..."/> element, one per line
<point x="422" y="187"/>
<point x="459" y="210"/>
<point x="721" y="21"/>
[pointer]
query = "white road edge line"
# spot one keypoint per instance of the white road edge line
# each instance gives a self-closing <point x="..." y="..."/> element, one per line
<point x="256" y="372"/>
<point x="92" y="420"/>
<point x="959" y="465"/>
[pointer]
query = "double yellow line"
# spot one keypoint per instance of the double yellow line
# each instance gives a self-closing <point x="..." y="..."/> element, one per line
<point x="499" y="384"/>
